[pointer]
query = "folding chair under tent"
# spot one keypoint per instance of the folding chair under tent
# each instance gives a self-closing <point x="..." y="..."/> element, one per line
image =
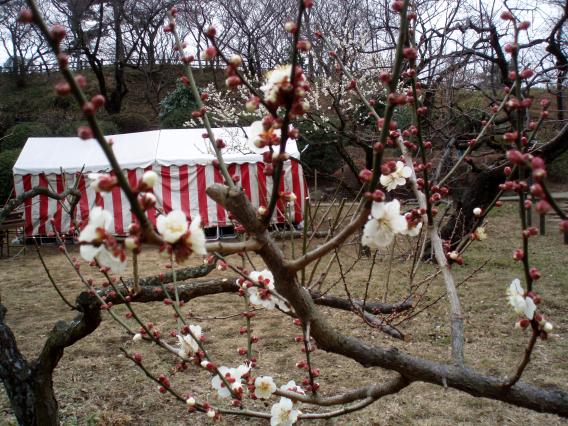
<point x="183" y="160"/>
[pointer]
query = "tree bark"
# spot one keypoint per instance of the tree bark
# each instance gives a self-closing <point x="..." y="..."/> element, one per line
<point x="30" y="385"/>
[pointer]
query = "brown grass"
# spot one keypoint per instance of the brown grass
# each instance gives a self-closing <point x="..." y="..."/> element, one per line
<point x="96" y="385"/>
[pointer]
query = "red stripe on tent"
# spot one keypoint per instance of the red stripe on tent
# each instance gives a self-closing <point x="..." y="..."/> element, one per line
<point x="232" y="169"/>
<point x="43" y="205"/>
<point x="29" y="228"/>
<point x="166" y="189"/>
<point x="202" y="196"/>
<point x="117" y="210"/>
<point x="280" y="206"/>
<point x="296" y="185"/>
<point x="133" y="182"/>
<point x="84" y="201"/>
<point x="99" y="200"/>
<point x="221" y="217"/>
<point x="261" y="184"/>
<point x="245" y="180"/>
<point x="59" y="209"/>
<point x="151" y="212"/>
<point x="184" y="190"/>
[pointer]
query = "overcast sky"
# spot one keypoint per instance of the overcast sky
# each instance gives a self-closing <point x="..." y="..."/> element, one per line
<point x="538" y="12"/>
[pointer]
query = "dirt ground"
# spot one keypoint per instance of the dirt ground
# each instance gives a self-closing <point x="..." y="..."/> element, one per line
<point x="96" y="385"/>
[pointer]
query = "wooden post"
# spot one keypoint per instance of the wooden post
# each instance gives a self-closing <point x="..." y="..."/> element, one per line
<point x="542" y="224"/>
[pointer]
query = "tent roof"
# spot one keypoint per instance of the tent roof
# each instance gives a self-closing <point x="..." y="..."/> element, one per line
<point x="136" y="150"/>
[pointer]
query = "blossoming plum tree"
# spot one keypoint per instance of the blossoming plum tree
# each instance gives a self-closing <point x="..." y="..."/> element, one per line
<point x="282" y="284"/>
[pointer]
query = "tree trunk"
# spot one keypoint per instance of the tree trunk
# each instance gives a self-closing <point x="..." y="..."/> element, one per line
<point x="30" y="385"/>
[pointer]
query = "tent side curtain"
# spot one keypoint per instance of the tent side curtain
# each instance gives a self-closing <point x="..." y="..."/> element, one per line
<point x="178" y="188"/>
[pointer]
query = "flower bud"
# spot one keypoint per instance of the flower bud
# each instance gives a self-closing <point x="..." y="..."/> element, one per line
<point x="290" y="27"/>
<point x="365" y="175"/>
<point x="236" y="60"/>
<point x="84" y="132"/>
<point x="149" y="178"/>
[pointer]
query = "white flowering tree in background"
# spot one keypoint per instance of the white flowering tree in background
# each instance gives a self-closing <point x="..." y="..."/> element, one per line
<point x="284" y="283"/>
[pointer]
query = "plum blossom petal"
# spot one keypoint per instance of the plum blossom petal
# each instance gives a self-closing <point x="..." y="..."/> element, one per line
<point x="385" y="222"/>
<point x="172" y="226"/>
<point x="413" y="231"/>
<point x="187" y="344"/>
<point x="196" y="238"/>
<point x="523" y="305"/>
<point x="115" y="263"/>
<point x="291" y="386"/>
<point x="263" y="294"/>
<point x="258" y="136"/>
<point x="397" y="177"/>
<point x="264" y="387"/>
<point x="274" y="81"/>
<point x="283" y="413"/>
<point x="234" y="376"/>
<point x="92" y="239"/>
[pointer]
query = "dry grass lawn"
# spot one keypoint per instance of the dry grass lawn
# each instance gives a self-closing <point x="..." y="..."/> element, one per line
<point x="96" y="385"/>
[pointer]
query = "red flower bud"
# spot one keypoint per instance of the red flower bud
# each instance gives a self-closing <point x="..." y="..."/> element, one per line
<point x="25" y="16"/>
<point x="57" y="33"/>
<point x="62" y="89"/>
<point x="543" y="207"/>
<point x="534" y="273"/>
<point x="410" y="53"/>
<point x="84" y="132"/>
<point x="397" y="5"/>
<point x="365" y="175"/>
<point x="518" y="254"/>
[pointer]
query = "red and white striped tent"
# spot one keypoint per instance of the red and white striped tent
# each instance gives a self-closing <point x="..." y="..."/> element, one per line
<point x="182" y="159"/>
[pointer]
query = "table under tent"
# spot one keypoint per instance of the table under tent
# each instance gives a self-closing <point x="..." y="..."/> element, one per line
<point x="184" y="162"/>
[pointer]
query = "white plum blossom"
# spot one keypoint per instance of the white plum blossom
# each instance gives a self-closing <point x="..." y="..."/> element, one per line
<point x="100" y="222"/>
<point x="291" y="386"/>
<point x="275" y="79"/>
<point x="263" y="294"/>
<point x="396" y="178"/>
<point x="522" y="305"/>
<point x="480" y="233"/>
<point x="233" y="376"/>
<point x="137" y="337"/>
<point x="196" y="237"/>
<point x="172" y="226"/>
<point x="385" y="221"/>
<point x="264" y="387"/>
<point x="101" y="182"/>
<point x="412" y="231"/>
<point x="257" y="135"/>
<point x="187" y="344"/>
<point x="283" y="413"/>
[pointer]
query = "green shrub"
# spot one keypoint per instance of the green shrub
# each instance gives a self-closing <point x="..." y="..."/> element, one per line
<point x="175" y="119"/>
<point x="7" y="161"/>
<point x="16" y="136"/>
<point x="176" y="107"/>
<point x="131" y="122"/>
<point x="320" y="155"/>
<point x="7" y="120"/>
<point x="558" y="169"/>
<point x="69" y="128"/>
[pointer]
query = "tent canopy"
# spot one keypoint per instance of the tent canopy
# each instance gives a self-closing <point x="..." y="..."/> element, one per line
<point x="137" y="150"/>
